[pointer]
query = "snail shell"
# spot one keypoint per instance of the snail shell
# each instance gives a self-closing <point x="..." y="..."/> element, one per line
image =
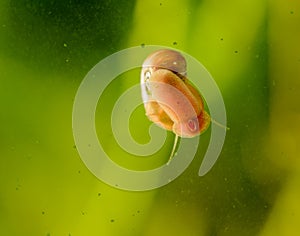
<point x="166" y="59"/>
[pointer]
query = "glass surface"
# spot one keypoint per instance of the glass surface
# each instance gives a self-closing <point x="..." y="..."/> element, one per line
<point x="252" y="50"/>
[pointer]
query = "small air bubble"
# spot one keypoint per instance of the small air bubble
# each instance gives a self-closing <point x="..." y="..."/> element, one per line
<point x="112" y="220"/>
<point x="236" y="51"/>
<point x="174" y="43"/>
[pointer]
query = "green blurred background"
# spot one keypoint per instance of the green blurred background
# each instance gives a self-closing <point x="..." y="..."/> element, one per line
<point x="251" y="48"/>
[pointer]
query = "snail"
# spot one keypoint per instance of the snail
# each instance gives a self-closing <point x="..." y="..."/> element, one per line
<point x="170" y="100"/>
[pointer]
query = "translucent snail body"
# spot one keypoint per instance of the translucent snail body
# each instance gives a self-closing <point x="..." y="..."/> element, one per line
<point x="169" y="99"/>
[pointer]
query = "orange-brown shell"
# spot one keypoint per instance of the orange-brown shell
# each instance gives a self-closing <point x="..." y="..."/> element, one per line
<point x="167" y="59"/>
